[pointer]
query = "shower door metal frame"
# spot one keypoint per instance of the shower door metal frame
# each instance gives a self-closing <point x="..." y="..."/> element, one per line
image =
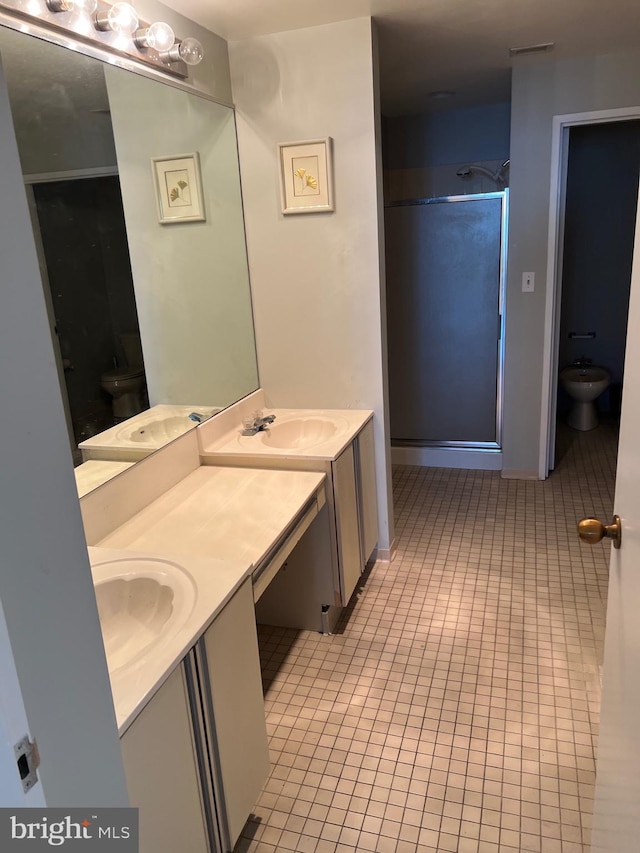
<point x="486" y="446"/>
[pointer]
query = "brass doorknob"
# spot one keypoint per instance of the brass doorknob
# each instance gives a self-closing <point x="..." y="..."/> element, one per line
<point x="591" y="530"/>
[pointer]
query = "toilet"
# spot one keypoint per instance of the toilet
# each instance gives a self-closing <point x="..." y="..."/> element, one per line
<point x="126" y="384"/>
<point x="584" y="384"/>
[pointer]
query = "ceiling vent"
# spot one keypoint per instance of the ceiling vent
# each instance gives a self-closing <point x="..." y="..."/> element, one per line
<point x="531" y="48"/>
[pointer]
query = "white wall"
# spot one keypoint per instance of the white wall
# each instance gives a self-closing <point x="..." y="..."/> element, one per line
<point x="316" y="283"/>
<point x="46" y="589"/>
<point x="190" y="279"/>
<point x="541" y="88"/>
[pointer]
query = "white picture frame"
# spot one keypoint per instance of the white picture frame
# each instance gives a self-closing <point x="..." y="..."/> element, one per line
<point x="306" y="176"/>
<point x="178" y="184"/>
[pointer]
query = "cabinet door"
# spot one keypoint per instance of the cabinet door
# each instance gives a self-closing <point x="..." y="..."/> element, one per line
<point x="347" y="524"/>
<point x="234" y="712"/>
<point x="162" y="774"/>
<point x="367" y="492"/>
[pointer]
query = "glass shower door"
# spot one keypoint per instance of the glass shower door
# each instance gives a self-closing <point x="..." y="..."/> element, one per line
<point x="445" y="274"/>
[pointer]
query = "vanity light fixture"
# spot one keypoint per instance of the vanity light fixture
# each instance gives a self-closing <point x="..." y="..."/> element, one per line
<point x="188" y="50"/>
<point x="120" y="18"/>
<point x="87" y="7"/>
<point x="97" y="21"/>
<point x="158" y="36"/>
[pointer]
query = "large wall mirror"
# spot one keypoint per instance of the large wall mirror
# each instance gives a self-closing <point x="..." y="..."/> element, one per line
<point x="143" y="313"/>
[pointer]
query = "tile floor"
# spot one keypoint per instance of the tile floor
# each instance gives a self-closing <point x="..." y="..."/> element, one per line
<point x="456" y="709"/>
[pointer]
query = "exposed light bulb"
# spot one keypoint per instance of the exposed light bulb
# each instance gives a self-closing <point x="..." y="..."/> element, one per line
<point x="158" y="36"/>
<point x="191" y="51"/>
<point x="188" y="50"/>
<point x="60" y="5"/>
<point x="120" y="18"/>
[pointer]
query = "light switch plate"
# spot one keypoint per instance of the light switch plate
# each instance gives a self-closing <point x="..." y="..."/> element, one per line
<point x="528" y="282"/>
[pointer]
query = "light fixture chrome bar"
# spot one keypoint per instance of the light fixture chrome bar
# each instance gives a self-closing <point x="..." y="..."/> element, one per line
<point x="37" y="28"/>
<point x="61" y="16"/>
<point x="60" y="5"/>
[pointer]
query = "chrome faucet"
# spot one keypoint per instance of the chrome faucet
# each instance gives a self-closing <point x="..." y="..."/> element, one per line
<point x="256" y="423"/>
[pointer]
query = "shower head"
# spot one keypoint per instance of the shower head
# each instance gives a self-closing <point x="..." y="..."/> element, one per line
<point x="501" y="171"/>
<point x="497" y="176"/>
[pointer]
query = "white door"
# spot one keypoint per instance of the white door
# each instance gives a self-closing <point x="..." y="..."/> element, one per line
<point x="617" y="806"/>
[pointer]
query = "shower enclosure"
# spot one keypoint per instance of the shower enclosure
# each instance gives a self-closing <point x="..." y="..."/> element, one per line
<point x="445" y="262"/>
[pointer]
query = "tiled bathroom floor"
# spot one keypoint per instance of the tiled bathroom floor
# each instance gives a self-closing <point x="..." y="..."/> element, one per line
<point x="457" y="707"/>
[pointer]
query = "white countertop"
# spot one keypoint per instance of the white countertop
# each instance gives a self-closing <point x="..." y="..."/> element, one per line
<point x="224" y="513"/>
<point x="347" y="423"/>
<point x="217" y="524"/>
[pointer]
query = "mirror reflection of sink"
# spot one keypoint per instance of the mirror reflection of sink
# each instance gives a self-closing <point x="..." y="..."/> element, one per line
<point x="142" y="602"/>
<point x="160" y="431"/>
<point x="139" y="436"/>
<point x="299" y="433"/>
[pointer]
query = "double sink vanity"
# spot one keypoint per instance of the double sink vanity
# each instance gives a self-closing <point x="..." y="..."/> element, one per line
<point x="195" y="532"/>
<point x="189" y="548"/>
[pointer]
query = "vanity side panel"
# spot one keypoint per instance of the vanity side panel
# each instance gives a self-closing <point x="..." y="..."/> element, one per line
<point x="347" y="522"/>
<point x="162" y="775"/>
<point x="236" y="709"/>
<point x="367" y="494"/>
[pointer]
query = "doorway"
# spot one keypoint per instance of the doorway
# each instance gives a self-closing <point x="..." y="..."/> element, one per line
<point x="86" y="271"/>
<point x="562" y="125"/>
<point x="603" y="167"/>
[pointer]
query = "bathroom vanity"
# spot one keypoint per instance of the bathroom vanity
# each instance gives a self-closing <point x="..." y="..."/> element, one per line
<point x="257" y="529"/>
<point x="197" y="757"/>
<point x="185" y="546"/>
<point x="338" y="443"/>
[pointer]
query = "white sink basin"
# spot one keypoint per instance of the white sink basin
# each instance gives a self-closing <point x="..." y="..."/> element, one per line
<point x="142" y="603"/>
<point x="156" y="433"/>
<point x="299" y="433"/>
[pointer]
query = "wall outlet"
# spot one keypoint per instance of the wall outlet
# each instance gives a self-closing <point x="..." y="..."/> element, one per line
<point x="528" y="282"/>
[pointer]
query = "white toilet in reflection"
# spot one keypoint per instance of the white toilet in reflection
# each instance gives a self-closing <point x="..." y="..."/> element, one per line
<point x="584" y="383"/>
<point x="126" y="384"/>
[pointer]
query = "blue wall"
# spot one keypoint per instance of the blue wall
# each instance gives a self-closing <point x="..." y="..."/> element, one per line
<point x="452" y="136"/>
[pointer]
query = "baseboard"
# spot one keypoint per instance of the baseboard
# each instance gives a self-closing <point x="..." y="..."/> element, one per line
<point x="447" y="457"/>
<point x="519" y="474"/>
<point x="384" y="555"/>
